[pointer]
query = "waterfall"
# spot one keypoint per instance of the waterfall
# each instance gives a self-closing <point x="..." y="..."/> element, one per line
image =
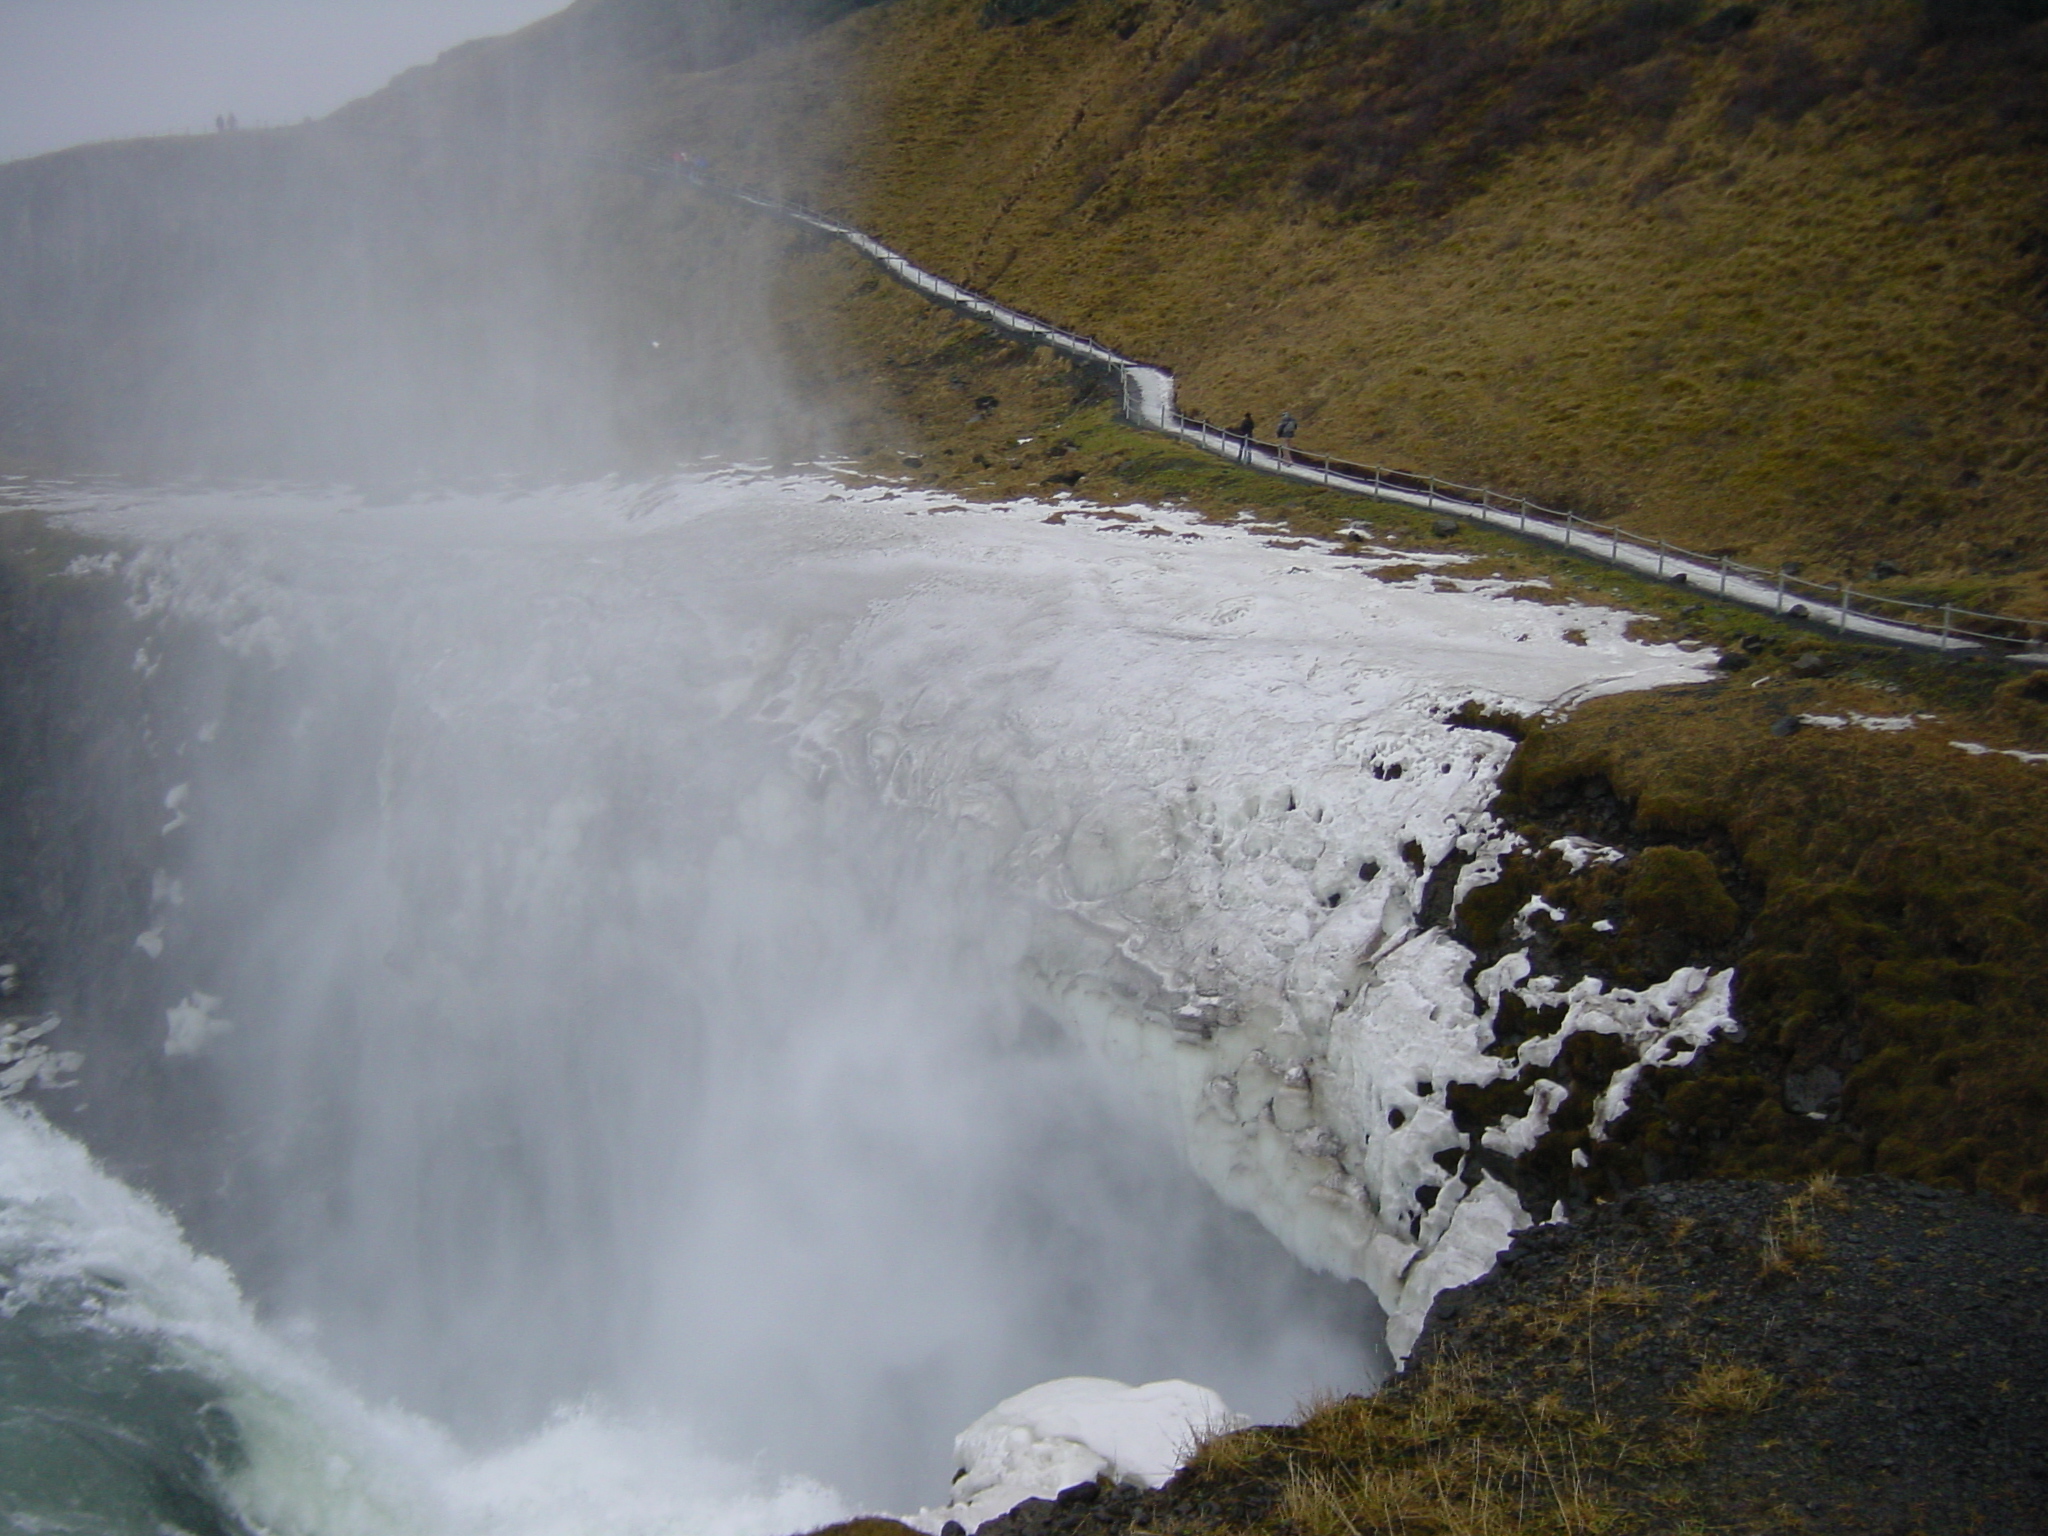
<point x="744" y="963"/>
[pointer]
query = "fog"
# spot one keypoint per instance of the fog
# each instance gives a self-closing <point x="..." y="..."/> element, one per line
<point x="484" y="268"/>
<point x="487" y="932"/>
<point x="540" y="995"/>
<point x="83" y="71"/>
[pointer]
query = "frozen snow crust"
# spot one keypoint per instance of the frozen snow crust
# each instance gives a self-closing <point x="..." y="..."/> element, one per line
<point x="1224" y="769"/>
<point x="1075" y="1430"/>
<point x="1219" y="766"/>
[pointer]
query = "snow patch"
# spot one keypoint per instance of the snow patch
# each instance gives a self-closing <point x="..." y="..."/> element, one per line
<point x="1578" y="852"/>
<point x="1075" y="1430"/>
<point x="1978" y="749"/>
<point x="1864" y="722"/>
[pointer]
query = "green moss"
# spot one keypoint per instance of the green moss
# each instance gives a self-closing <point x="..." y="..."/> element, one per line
<point x="1881" y="896"/>
<point x="1676" y="890"/>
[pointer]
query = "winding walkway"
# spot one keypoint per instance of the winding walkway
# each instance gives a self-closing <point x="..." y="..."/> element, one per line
<point x="1148" y="402"/>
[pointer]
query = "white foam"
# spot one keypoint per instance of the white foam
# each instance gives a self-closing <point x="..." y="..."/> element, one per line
<point x="319" y="1461"/>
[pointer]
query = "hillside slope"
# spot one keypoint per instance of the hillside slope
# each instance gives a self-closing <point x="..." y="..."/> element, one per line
<point x="1766" y="279"/>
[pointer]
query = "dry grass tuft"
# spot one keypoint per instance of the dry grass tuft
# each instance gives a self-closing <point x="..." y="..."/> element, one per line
<point x="1824" y="1189"/>
<point x="1728" y="1387"/>
<point x="1792" y="1238"/>
<point x="1445" y="1458"/>
<point x="868" y="1525"/>
<point x="1230" y="1454"/>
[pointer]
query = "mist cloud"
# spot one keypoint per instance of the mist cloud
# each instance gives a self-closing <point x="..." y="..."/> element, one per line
<point x="79" y="71"/>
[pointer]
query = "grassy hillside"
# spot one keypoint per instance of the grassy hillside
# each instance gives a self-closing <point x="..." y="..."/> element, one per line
<point x="1766" y="279"/>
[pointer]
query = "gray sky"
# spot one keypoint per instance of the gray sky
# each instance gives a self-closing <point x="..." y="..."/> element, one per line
<point x="73" y="71"/>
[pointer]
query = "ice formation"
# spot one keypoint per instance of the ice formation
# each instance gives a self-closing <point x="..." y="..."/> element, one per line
<point x="26" y="1061"/>
<point x="1075" y="1430"/>
<point x="1235" y="801"/>
<point x="1224" y="769"/>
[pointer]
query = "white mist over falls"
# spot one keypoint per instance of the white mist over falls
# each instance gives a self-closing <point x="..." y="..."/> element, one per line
<point x="670" y="1000"/>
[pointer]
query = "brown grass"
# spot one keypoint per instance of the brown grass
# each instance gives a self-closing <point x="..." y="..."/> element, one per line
<point x="1773" y="295"/>
<point x="1728" y="1387"/>
<point x="1793" y="1238"/>
<point x="1895" y="913"/>
<point x="1440" y="1458"/>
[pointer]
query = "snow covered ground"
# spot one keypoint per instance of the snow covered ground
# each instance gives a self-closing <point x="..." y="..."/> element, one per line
<point x="1218" y="759"/>
<point x="1211" y="763"/>
<point x="1221" y="762"/>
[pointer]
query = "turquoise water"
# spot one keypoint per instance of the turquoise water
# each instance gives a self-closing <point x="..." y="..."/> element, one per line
<point x="102" y="1429"/>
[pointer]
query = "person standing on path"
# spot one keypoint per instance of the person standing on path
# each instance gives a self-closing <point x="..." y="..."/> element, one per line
<point x="1243" y="434"/>
<point x="1285" y="431"/>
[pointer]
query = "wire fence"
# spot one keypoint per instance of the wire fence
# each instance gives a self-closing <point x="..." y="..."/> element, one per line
<point x="1147" y="400"/>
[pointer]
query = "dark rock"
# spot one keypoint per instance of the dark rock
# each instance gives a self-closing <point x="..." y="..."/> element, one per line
<point x="1069" y="477"/>
<point x="1785" y="725"/>
<point x="1753" y="643"/>
<point x="1798" y="611"/>
<point x="1732" y="661"/>
<point x="1681" y="580"/>
<point x="952" y="1528"/>
<point x="1815" y="1091"/>
<point x="1080" y="1493"/>
<point x="1444" y="527"/>
<point x="986" y="402"/>
<point x="1908" y="1336"/>
<point x="913" y="461"/>
<point x="1885" y="569"/>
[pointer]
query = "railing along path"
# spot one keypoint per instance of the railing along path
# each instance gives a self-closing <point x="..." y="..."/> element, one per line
<point x="1147" y="398"/>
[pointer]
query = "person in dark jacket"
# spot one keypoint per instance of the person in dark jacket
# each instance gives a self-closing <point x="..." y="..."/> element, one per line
<point x="1243" y="434"/>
